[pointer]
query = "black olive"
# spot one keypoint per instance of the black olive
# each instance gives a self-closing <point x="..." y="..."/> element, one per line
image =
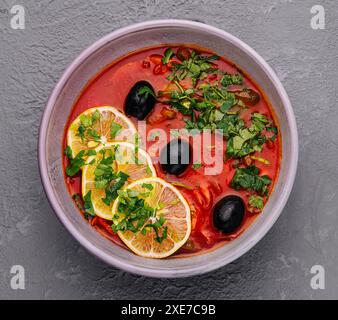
<point x="139" y="105"/>
<point x="175" y="157"/>
<point x="228" y="214"/>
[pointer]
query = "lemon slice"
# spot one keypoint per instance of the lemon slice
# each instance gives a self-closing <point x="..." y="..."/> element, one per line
<point x="99" y="126"/>
<point x="114" y="166"/>
<point x="169" y="225"/>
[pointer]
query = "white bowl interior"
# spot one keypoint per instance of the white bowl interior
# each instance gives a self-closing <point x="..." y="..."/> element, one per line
<point x="95" y="59"/>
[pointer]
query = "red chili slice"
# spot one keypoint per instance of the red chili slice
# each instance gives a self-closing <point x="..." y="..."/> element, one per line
<point x="164" y="69"/>
<point x="157" y="69"/>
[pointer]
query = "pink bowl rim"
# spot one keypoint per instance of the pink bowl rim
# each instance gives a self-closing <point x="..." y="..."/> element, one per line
<point x="249" y="243"/>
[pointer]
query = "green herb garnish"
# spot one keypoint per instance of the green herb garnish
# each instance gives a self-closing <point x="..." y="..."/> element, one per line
<point x="167" y="55"/>
<point x="156" y="226"/>
<point x="148" y="186"/>
<point x="148" y="170"/>
<point x="136" y="214"/>
<point x="85" y="129"/>
<point x="77" y="162"/>
<point x="196" y="67"/>
<point x="256" y="202"/>
<point x="246" y="140"/>
<point x="230" y="79"/>
<point x="146" y="91"/>
<point x="249" y="179"/>
<point x="93" y="134"/>
<point x="196" y="166"/>
<point x="109" y="180"/>
<point x="68" y="152"/>
<point x="115" y="128"/>
<point x="88" y="205"/>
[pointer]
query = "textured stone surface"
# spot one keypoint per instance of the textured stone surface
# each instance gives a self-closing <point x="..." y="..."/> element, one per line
<point x="31" y="62"/>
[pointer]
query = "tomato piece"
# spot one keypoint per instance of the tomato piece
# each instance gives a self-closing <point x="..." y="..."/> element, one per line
<point x="70" y="180"/>
<point x="212" y="77"/>
<point x="156" y="118"/>
<point x="103" y="223"/>
<point x="165" y="114"/>
<point x="156" y="59"/>
<point x="168" y="113"/>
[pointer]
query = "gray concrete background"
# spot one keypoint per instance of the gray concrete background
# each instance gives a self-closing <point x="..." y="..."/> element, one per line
<point x="31" y="62"/>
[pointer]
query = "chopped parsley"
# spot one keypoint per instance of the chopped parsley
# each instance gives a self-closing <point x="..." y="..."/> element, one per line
<point x="249" y="179"/>
<point x="148" y="170"/>
<point x="146" y="91"/>
<point x="91" y="152"/>
<point x="248" y="139"/>
<point x="196" y="67"/>
<point x="136" y="215"/>
<point x="256" y="202"/>
<point x="68" y="152"/>
<point x="95" y="116"/>
<point x="85" y="129"/>
<point x="167" y="55"/>
<point x="115" y="128"/>
<point x="229" y="79"/>
<point x="78" y="161"/>
<point x="196" y="166"/>
<point x="88" y="205"/>
<point x="241" y="140"/>
<point x="93" y="134"/>
<point x="156" y="226"/>
<point x="109" y="180"/>
<point x="148" y="186"/>
<point x="204" y="98"/>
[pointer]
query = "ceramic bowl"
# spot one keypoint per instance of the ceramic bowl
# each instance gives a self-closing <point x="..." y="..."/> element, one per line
<point x="94" y="59"/>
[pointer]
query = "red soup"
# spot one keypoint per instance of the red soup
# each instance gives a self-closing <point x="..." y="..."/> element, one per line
<point x="155" y="91"/>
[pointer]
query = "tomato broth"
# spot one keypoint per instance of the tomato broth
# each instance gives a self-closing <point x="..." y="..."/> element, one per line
<point x="110" y="88"/>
